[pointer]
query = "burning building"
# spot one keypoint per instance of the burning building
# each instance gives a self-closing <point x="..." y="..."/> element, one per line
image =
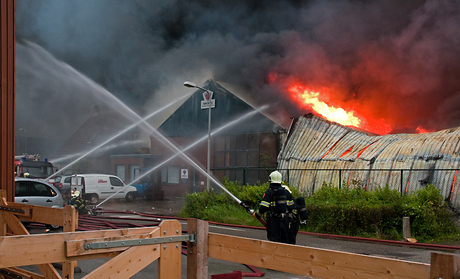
<point x="318" y="151"/>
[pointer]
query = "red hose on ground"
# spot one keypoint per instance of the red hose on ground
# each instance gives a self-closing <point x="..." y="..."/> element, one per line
<point x="342" y="237"/>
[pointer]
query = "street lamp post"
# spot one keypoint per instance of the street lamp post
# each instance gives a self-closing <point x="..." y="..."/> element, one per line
<point x="209" y="98"/>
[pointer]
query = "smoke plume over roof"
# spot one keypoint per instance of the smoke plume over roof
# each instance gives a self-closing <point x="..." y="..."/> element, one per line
<point x="395" y="61"/>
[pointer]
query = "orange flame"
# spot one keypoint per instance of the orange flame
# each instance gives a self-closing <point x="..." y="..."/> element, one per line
<point x="420" y="130"/>
<point x="311" y="98"/>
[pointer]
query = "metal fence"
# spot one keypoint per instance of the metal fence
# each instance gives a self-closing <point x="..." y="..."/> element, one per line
<point x="309" y="180"/>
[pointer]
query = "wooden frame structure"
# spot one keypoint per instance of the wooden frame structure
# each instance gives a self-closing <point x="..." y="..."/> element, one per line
<point x="7" y="91"/>
<point x="307" y="261"/>
<point x="21" y="248"/>
<point x="161" y="243"/>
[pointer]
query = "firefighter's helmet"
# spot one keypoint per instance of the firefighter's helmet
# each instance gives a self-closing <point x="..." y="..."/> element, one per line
<point x="276" y="177"/>
<point x="76" y="194"/>
<point x="26" y="174"/>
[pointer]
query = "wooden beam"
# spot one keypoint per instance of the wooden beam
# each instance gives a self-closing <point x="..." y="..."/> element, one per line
<point x="129" y="262"/>
<point x="18" y="229"/>
<point x="169" y="266"/>
<point x="40" y="214"/>
<point x="313" y="262"/>
<point x="29" y="250"/>
<point x="14" y="224"/>
<point x="15" y="272"/>
<point x="17" y="207"/>
<point x="197" y="253"/>
<point x="48" y="271"/>
<point x="444" y="266"/>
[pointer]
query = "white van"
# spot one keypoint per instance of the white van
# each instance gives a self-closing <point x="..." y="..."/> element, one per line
<point x="95" y="187"/>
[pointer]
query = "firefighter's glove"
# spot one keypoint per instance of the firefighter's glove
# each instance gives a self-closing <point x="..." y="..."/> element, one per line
<point x="303" y="222"/>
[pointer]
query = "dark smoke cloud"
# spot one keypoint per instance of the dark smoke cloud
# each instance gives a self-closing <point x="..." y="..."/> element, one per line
<point x="392" y="60"/>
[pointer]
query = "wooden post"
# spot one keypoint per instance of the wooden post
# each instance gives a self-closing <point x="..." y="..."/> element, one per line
<point x="7" y="95"/>
<point x="70" y="224"/>
<point x="2" y="222"/>
<point x="197" y="253"/>
<point x="406" y="227"/>
<point x="3" y="194"/>
<point x="445" y="266"/>
<point x="169" y="265"/>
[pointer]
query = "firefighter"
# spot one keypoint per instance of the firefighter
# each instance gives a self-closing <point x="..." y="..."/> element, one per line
<point x="293" y="218"/>
<point x="79" y="204"/>
<point x="277" y="203"/>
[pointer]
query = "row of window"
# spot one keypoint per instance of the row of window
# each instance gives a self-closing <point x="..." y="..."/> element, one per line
<point x="229" y="151"/>
<point x="169" y="175"/>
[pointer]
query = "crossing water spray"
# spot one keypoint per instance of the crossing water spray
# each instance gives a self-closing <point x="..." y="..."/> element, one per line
<point x="148" y="128"/>
<point x="102" y="149"/>
<point x="189" y="147"/>
<point x="119" y="134"/>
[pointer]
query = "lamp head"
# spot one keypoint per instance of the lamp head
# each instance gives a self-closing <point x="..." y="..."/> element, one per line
<point x="189" y="84"/>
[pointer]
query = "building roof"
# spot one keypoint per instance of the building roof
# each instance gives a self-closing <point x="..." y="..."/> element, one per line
<point x="318" y="149"/>
<point x="99" y="128"/>
<point x="190" y="120"/>
<point x="183" y="118"/>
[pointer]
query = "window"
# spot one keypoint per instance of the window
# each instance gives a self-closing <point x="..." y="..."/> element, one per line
<point x="39" y="189"/>
<point x="237" y="151"/>
<point x="121" y="172"/>
<point x="170" y="175"/>
<point x="115" y="181"/>
<point x="173" y="175"/>
<point x="20" y="189"/>
<point x="134" y="171"/>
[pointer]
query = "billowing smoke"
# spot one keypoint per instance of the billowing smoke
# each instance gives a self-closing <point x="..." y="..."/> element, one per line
<point x="394" y="61"/>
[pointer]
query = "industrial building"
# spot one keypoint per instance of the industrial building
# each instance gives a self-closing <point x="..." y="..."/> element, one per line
<point x="318" y="151"/>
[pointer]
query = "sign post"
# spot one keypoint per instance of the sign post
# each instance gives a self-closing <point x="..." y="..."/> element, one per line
<point x="207" y="103"/>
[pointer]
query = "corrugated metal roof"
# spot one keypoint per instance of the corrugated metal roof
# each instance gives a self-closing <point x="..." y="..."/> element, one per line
<point x="316" y="149"/>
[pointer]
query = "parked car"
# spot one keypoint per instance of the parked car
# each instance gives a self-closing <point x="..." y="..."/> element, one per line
<point x="62" y="183"/>
<point x="37" y="192"/>
<point x="102" y="186"/>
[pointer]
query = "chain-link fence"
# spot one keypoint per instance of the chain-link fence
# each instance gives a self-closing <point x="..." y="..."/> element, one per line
<point x="308" y="180"/>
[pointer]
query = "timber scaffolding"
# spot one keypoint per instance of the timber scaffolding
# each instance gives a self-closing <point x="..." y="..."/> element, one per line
<point x="132" y="249"/>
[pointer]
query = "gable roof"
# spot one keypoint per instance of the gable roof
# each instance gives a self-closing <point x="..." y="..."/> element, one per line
<point x="93" y="132"/>
<point x="189" y="120"/>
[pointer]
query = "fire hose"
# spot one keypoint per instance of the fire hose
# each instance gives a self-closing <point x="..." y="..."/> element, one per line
<point x="254" y="214"/>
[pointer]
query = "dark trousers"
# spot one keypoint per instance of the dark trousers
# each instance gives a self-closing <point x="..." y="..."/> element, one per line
<point x="278" y="229"/>
<point x="293" y="230"/>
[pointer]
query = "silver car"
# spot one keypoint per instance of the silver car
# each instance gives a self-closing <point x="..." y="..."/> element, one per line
<point x="62" y="183"/>
<point x="37" y="192"/>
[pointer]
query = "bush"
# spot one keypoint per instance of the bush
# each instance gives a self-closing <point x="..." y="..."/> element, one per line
<point x="347" y="211"/>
